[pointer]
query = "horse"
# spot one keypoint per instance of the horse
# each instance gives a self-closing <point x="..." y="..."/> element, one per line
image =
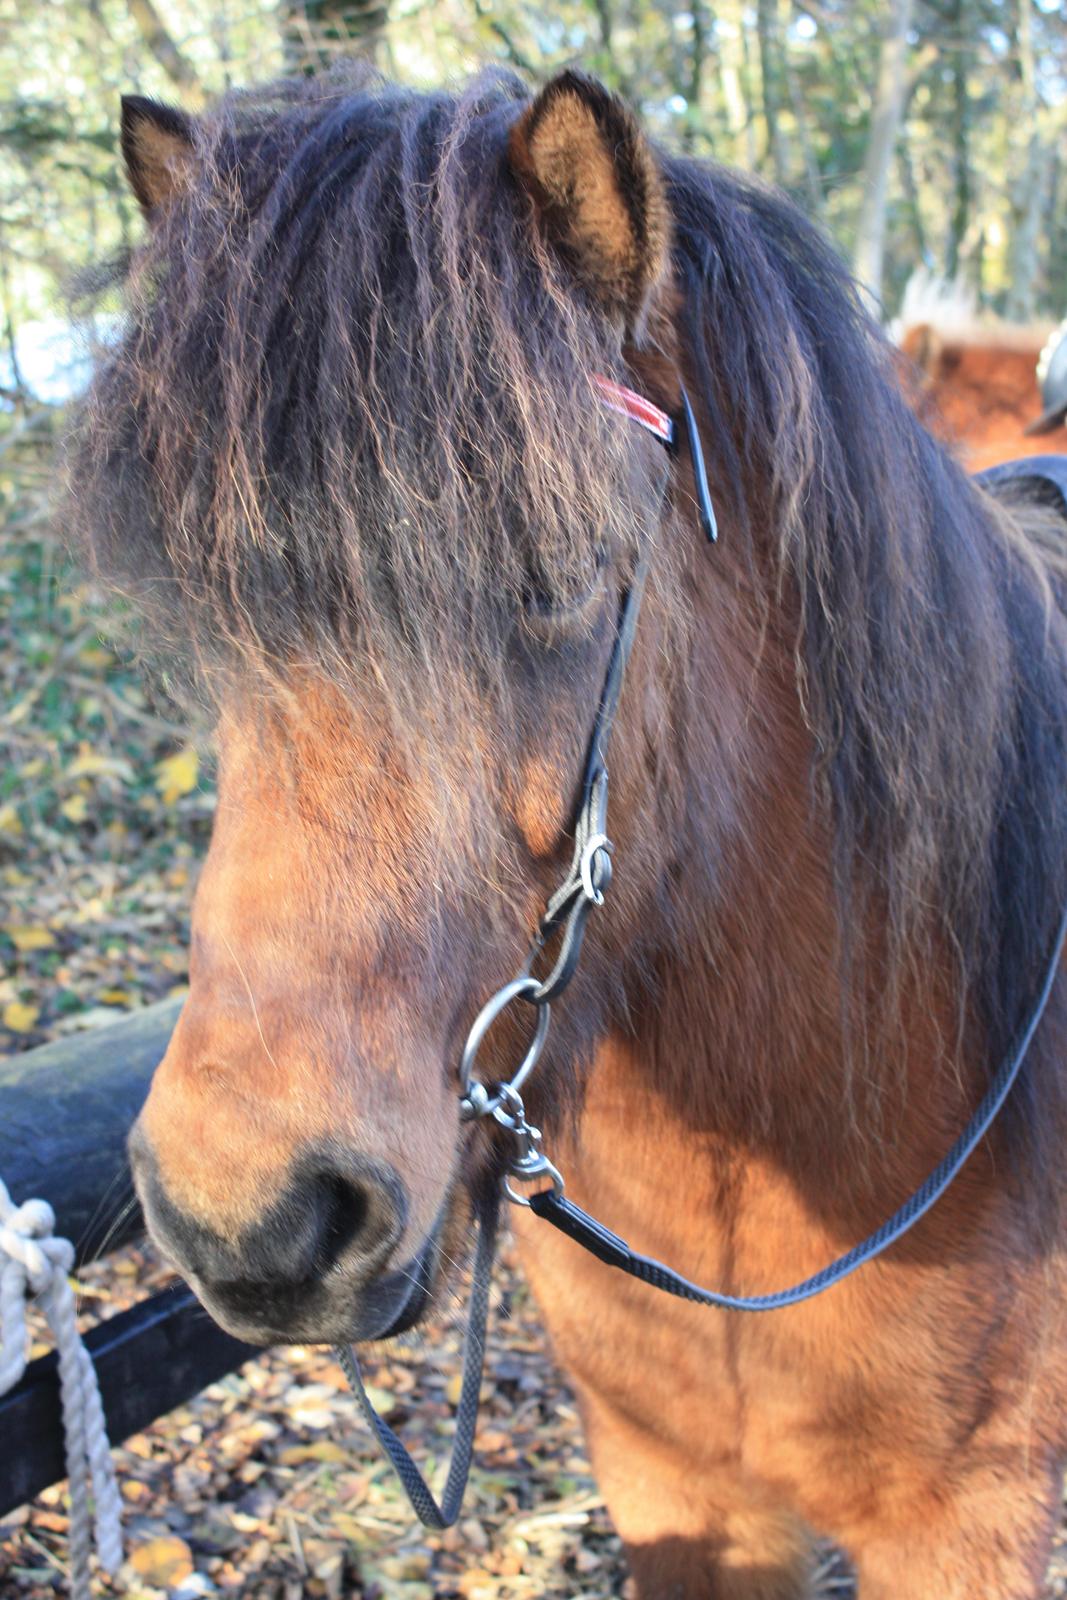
<point x="351" y="464"/>
<point x="976" y="386"/>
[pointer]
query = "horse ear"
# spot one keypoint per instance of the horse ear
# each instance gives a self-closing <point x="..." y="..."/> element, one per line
<point x="591" y="172"/>
<point x="157" y="147"/>
<point x="924" y="347"/>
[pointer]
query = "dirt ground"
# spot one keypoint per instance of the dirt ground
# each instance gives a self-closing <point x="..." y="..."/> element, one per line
<point x="267" y="1486"/>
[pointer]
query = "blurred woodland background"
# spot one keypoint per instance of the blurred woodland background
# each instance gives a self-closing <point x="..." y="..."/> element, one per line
<point x="924" y="133"/>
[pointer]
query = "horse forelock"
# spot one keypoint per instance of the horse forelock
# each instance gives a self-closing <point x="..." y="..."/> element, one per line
<point x="352" y="422"/>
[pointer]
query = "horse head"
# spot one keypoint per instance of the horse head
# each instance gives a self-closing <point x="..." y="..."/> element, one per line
<point x="352" y="455"/>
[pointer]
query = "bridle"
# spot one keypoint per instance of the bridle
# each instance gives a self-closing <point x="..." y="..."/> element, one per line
<point x="563" y="924"/>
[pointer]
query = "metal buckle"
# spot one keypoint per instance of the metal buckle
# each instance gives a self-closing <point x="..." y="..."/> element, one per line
<point x="531" y="1162"/>
<point x="594" y="890"/>
<point x="504" y="1103"/>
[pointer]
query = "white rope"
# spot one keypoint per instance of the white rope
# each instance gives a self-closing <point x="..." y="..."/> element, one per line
<point x="34" y="1262"/>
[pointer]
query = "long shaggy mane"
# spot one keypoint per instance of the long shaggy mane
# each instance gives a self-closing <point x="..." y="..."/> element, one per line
<point x="351" y="426"/>
<point x="931" y="653"/>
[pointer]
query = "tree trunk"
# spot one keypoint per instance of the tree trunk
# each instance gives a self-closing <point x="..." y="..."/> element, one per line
<point x="316" y="32"/>
<point x="886" y="112"/>
<point x="733" y="68"/>
<point x="910" y="186"/>
<point x="1031" y="180"/>
<point x="961" y="137"/>
<point x="771" y="35"/>
<point x="18" y="393"/>
<point x="153" y="31"/>
<point x="694" y="90"/>
<point x="812" y="186"/>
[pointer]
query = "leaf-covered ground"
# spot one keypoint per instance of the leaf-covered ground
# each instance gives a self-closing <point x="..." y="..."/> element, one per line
<point x="266" y="1487"/>
<point x="103" y="807"/>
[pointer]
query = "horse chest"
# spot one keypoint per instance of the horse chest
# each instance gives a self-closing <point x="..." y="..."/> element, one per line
<point x="856" y="1375"/>
<point x="708" y="1381"/>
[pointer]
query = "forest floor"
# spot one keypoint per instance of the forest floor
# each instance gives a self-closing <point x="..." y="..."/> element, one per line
<point x="266" y="1487"/>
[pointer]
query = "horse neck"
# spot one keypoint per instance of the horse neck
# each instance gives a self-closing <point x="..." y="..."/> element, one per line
<point x="758" y="1033"/>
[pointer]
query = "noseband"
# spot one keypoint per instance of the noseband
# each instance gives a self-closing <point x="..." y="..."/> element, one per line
<point x="563" y="925"/>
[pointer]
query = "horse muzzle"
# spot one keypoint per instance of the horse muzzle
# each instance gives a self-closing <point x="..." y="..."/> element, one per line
<point x="316" y="1267"/>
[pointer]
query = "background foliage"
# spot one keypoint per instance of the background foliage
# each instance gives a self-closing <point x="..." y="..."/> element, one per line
<point x="939" y="123"/>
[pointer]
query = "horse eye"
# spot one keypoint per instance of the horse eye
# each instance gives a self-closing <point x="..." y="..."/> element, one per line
<point x="548" y="603"/>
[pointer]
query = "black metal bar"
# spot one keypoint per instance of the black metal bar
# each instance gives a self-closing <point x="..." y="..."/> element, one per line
<point x="149" y="1359"/>
<point x="65" y="1111"/>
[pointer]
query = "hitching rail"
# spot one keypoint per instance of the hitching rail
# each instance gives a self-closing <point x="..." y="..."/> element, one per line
<point x="65" y="1110"/>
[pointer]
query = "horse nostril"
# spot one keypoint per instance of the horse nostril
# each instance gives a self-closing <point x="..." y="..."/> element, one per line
<point x="359" y="1217"/>
<point x="344" y="1208"/>
<point x="330" y="1231"/>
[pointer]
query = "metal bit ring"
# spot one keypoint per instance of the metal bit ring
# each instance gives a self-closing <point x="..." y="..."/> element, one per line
<point x="474" y="1104"/>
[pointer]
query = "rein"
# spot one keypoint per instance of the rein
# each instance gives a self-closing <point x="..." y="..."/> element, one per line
<point x="565" y="919"/>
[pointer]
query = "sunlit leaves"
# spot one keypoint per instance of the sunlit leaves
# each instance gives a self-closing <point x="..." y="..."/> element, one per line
<point x="177" y="775"/>
<point x="20" y="1018"/>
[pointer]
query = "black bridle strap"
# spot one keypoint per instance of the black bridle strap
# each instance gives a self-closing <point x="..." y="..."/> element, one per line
<point x="426" y="1508"/>
<point x="567" y="912"/>
<point x="705" y="504"/>
<point x="608" y="1247"/>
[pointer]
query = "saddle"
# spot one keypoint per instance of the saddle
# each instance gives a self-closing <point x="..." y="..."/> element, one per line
<point x="1046" y="476"/>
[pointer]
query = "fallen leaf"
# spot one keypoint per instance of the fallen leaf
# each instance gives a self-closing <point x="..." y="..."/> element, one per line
<point x="26" y="936"/>
<point x="76" y="808"/>
<point x="92" y="764"/>
<point x="163" y="1562"/>
<point x="20" y="1018"/>
<point x="177" y="775"/>
<point x="383" y="1400"/>
<point x="95" y="655"/>
<point x="324" y="1450"/>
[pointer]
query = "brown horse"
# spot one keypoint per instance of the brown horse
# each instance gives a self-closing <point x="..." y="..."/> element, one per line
<point x="351" y="460"/>
<point x="976" y="387"/>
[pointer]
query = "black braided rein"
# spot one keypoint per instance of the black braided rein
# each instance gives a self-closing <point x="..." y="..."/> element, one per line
<point x="568" y="911"/>
<point x="418" y="1491"/>
<point x="554" y="1207"/>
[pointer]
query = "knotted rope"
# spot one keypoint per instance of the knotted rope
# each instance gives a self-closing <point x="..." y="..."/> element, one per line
<point x="34" y="1262"/>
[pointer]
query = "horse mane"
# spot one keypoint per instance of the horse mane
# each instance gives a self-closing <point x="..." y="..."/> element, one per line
<point x="948" y="308"/>
<point x="931" y="654"/>
<point x="350" y="256"/>
<point x="216" y="480"/>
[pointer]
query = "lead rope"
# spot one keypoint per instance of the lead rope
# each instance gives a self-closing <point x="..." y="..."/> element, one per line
<point x="418" y="1491"/>
<point x="34" y="1262"/>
